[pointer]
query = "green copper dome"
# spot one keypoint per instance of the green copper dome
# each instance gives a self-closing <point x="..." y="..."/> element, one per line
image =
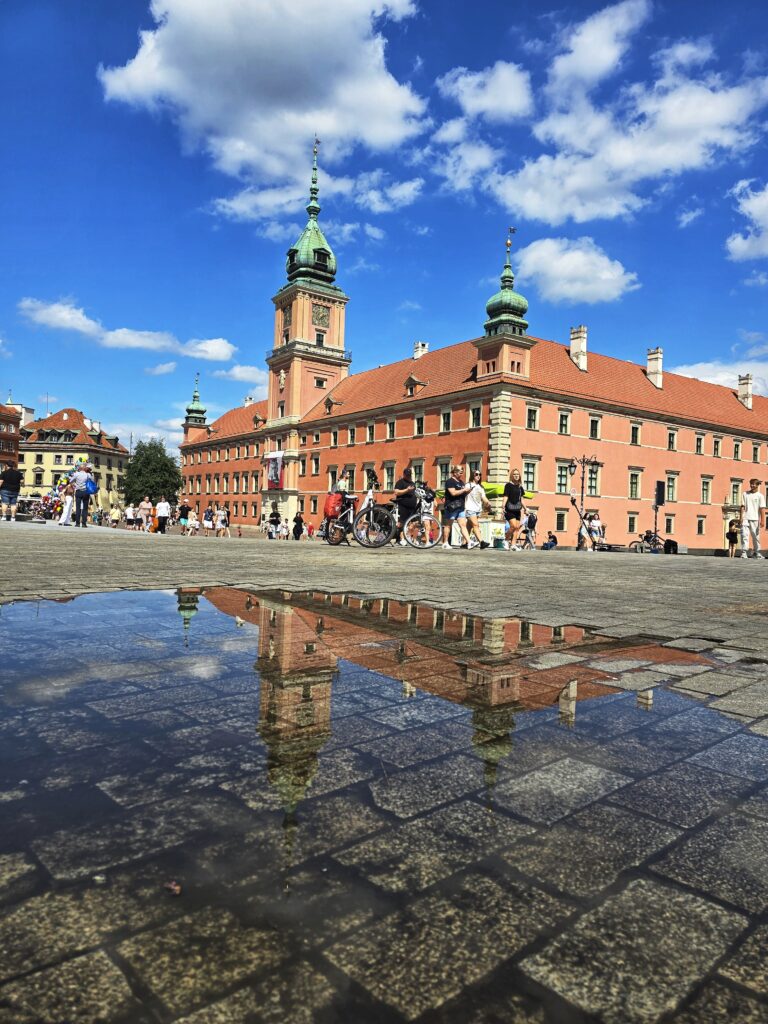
<point x="196" y="410"/>
<point x="311" y="258"/>
<point x="507" y="308"/>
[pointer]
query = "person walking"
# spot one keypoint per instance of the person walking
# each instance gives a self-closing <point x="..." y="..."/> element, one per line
<point x="68" y="498"/>
<point x="207" y="520"/>
<point x="219" y="519"/>
<point x="130" y="516"/>
<point x="183" y="513"/>
<point x="456" y="492"/>
<point x="405" y="499"/>
<point x="514" y="492"/>
<point x="475" y="503"/>
<point x="114" y="517"/>
<point x="752" y="511"/>
<point x="193" y="526"/>
<point x="163" y="512"/>
<point x="11" y="480"/>
<point x="298" y="526"/>
<point x="81" y="480"/>
<point x="145" y="514"/>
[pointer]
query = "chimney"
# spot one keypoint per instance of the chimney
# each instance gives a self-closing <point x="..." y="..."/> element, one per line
<point x="653" y="369"/>
<point x="745" y="390"/>
<point x="579" y="346"/>
<point x="420" y="348"/>
<point x="88" y="423"/>
<point x="248" y="401"/>
<point x="97" y="425"/>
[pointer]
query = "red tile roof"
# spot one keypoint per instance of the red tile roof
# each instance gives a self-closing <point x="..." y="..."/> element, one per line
<point x="9" y="412"/>
<point x="607" y="381"/>
<point x="72" y="421"/>
<point x="237" y="422"/>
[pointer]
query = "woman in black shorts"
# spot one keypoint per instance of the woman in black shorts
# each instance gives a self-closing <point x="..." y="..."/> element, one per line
<point x="514" y="492"/>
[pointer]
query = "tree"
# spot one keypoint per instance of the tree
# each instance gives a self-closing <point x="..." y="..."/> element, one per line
<point x="152" y="471"/>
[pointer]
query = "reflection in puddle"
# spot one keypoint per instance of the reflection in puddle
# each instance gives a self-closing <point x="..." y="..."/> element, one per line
<point x="376" y="810"/>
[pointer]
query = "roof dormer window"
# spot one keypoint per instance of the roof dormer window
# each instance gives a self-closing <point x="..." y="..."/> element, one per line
<point x="321" y="257"/>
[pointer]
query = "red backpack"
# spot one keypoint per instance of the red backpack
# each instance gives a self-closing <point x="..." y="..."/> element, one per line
<point x="333" y="504"/>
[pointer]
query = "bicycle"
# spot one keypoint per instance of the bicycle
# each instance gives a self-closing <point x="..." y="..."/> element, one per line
<point x="421" y="529"/>
<point x="372" y="527"/>
<point x="649" y="543"/>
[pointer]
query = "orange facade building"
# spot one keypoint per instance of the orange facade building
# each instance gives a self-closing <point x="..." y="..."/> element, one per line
<point x="502" y="400"/>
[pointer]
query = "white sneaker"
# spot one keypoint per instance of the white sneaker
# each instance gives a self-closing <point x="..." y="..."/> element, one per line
<point x="744" y="554"/>
<point x="516" y="547"/>
<point x="506" y="545"/>
<point x="403" y="543"/>
<point x="758" y="555"/>
<point x="474" y="543"/>
<point x="447" y="547"/>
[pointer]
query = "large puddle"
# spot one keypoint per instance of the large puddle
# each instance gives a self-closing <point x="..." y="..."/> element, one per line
<point x="228" y="806"/>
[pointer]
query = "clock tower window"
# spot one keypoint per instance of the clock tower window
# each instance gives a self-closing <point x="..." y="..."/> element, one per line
<point x="320" y="338"/>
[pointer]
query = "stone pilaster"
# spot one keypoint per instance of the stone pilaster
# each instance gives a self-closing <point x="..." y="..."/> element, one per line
<point x="500" y="441"/>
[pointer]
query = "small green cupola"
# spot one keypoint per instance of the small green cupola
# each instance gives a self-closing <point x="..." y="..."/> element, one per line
<point x="195" y="410"/>
<point x="507" y="308"/>
<point x="311" y="258"/>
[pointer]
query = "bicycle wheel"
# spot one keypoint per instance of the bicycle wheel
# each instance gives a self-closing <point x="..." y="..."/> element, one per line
<point x="373" y="527"/>
<point x="637" y="547"/>
<point x="422" y="530"/>
<point x="334" y="532"/>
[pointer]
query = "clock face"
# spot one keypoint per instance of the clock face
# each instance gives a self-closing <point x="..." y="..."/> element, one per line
<point x="321" y="315"/>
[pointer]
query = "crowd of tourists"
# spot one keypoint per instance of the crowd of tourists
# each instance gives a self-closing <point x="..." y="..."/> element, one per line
<point x="464" y="503"/>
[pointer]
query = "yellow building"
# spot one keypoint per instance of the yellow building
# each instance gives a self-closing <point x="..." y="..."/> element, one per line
<point x="50" y="448"/>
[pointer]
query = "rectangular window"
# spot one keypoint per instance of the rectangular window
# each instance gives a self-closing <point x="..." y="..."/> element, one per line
<point x="532" y="418"/>
<point x="418" y="471"/>
<point x="319" y="339"/>
<point x="699" y="444"/>
<point x="208" y="485"/>
<point x="631" y="523"/>
<point x="445" y="421"/>
<point x="442" y="473"/>
<point x="333" y="476"/>
<point x="474" y="416"/>
<point x="418" y="426"/>
<point x="564" y="423"/>
<point x="70" y="460"/>
<point x="634" y="434"/>
<point x="352" y="435"/>
<point x="316" y="438"/>
<point x="302" y="466"/>
<point x="594" y="428"/>
<point x="302" y="440"/>
<point x="216" y="485"/>
<point x="560" y="522"/>
<point x="529" y="475"/>
<point x="334" y="438"/>
<point x="351" y="478"/>
<point x="57" y="460"/>
<point x="671" y="488"/>
<point x="561" y="480"/>
<point x="315" y="465"/>
<point x="716" y="447"/>
<point x="706" y="492"/>
<point x="390" y="430"/>
<point x="700" y="526"/>
<point x="313" y="506"/>
<point x="671" y="440"/>
<point x="735" y="492"/>
<point x="39" y="459"/>
<point x="473" y="466"/>
<point x="320" y="383"/>
<point x="737" y="450"/>
<point x="593" y="481"/>
<point x="369" y="432"/>
<point x="634" y="485"/>
<point x="236" y="484"/>
<point x="389" y="477"/>
<point x="669" y="524"/>
<point x="38" y="479"/>
<point x="755" y="452"/>
<point x="301" y="505"/>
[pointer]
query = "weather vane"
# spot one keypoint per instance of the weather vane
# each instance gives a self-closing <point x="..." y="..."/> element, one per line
<point x="512" y="231"/>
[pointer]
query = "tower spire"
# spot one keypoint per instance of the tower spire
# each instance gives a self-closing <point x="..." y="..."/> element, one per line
<point x="506" y="309"/>
<point x="314" y="207"/>
<point x="196" y="410"/>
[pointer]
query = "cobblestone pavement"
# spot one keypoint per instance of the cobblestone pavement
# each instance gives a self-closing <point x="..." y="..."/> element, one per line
<point x="622" y="594"/>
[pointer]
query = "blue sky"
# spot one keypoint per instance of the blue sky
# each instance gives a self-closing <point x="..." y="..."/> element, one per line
<point x="156" y="163"/>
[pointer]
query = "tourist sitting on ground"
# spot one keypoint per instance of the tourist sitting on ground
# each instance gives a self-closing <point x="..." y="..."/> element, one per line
<point x="550" y="543"/>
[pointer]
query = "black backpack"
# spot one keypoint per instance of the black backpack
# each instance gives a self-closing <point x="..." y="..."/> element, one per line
<point x="532" y="520"/>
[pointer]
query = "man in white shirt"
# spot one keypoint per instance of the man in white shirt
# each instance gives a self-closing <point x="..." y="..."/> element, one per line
<point x="163" y="512"/>
<point x="752" y="509"/>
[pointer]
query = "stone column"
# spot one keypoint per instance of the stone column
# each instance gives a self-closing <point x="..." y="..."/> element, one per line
<point x="500" y="441"/>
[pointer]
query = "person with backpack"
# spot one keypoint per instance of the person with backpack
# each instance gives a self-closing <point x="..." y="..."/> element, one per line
<point x="85" y="485"/>
<point x="475" y="503"/>
<point x="528" y="531"/>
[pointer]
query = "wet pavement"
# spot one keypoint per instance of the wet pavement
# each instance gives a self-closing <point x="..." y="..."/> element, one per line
<point x="377" y="811"/>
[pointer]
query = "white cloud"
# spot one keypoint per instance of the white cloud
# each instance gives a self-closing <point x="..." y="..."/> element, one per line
<point x="754" y="206"/>
<point x="246" y="375"/>
<point x="160" y="370"/>
<point x="685" y="54"/>
<point x="65" y="316"/>
<point x="377" y="234"/>
<point x="466" y="163"/>
<point x="362" y="265"/>
<point x="167" y="430"/>
<point x="409" y="306"/>
<point x="574" y="270"/>
<point x="719" y="372"/>
<point x="376" y="193"/>
<point x="251" y="81"/>
<point x="501" y="93"/>
<point x="757" y="279"/>
<point x="451" y="131"/>
<point x="686" y="217"/>
<point x="5" y="352"/>
<point x="276" y="231"/>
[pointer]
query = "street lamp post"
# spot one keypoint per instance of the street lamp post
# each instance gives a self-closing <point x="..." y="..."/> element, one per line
<point x="586" y="461"/>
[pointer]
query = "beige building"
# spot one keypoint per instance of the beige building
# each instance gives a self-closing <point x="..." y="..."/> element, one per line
<point x="50" y="448"/>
